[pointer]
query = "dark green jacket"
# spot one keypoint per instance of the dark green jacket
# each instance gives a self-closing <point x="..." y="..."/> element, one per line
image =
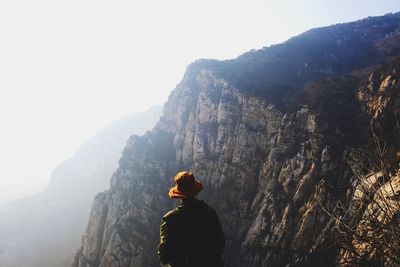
<point x="191" y="235"/>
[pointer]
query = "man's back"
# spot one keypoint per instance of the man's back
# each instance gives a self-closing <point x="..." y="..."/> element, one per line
<point x="191" y="235"/>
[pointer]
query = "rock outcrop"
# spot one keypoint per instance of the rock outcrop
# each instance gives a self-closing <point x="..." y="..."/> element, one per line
<point x="269" y="134"/>
<point x="369" y="225"/>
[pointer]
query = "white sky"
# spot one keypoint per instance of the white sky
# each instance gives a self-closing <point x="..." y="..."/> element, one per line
<point x="68" y="68"/>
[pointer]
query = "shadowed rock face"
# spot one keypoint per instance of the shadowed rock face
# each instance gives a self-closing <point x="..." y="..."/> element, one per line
<point x="268" y="134"/>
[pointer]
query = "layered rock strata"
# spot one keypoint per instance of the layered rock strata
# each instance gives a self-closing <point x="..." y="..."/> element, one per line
<point x="270" y="151"/>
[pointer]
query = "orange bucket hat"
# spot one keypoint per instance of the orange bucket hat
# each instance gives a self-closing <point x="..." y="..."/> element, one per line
<point x="186" y="186"/>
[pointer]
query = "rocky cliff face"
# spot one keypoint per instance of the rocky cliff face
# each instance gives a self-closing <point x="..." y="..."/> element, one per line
<point x="372" y="219"/>
<point x="269" y="134"/>
<point x="44" y="229"/>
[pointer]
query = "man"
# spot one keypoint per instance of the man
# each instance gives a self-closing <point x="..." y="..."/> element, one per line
<point x="190" y="235"/>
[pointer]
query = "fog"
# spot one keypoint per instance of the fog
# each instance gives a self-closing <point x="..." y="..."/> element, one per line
<point x="44" y="230"/>
<point x="67" y="68"/>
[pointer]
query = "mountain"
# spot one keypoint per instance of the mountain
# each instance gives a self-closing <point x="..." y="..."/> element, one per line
<point x="45" y="229"/>
<point x="271" y="135"/>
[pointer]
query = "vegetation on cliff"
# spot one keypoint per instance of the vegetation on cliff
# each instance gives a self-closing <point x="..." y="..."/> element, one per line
<point x="270" y="135"/>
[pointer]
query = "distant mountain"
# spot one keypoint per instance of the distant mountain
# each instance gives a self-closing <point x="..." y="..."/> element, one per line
<point x="44" y="230"/>
<point x="271" y="134"/>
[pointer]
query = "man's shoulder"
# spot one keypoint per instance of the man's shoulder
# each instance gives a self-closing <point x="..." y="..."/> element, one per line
<point x="185" y="209"/>
<point x="169" y="214"/>
<point x="173" y="213"/>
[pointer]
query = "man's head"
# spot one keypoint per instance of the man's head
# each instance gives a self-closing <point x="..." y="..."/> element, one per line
<point x="186" y="186"/>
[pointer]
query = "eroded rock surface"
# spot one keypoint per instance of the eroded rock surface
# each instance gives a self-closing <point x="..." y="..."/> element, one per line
<point x="269" y="159"/>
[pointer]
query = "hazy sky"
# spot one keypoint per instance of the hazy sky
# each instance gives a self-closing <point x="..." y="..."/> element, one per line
<point x="70" y="67"/>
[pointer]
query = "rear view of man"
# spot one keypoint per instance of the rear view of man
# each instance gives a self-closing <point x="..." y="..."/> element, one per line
<point x="190" y="235"/>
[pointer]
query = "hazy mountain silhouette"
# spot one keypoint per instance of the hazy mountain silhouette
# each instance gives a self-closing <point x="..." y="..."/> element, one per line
<point x="44" y="230"/>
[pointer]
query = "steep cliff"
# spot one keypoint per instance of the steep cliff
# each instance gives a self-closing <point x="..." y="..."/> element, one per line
<point x="368" y="228"/>
<point x="269" y="134"/>
<point x="44" y="229"/>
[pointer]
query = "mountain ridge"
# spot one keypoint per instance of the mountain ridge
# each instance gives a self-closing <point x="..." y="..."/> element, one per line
<point x="269" y="141"/>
